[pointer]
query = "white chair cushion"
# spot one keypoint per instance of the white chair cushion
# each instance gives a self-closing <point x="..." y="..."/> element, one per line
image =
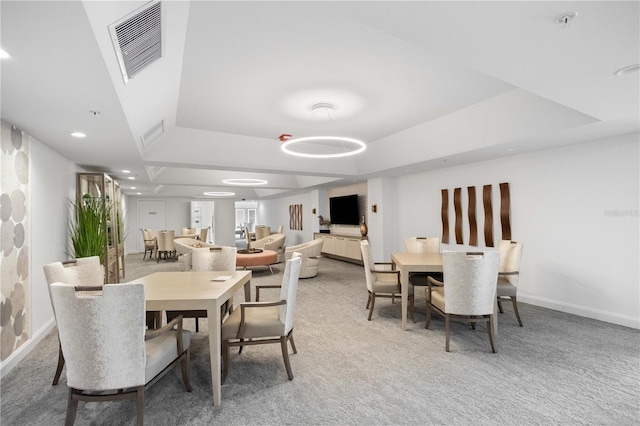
<point x="259" y="322"/>
<point x="161" y="351"/>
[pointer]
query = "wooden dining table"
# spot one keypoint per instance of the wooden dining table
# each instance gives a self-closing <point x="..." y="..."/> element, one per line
<point x="422" y="262"/>
<point x="197" y="290"/>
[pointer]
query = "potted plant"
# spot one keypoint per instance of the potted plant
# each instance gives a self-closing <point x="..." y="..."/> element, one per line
<point x="88" y="227"/>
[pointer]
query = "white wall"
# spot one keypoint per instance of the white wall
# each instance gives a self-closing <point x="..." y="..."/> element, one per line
<point x="579" y="257"/>
<point x="275" y="212"/>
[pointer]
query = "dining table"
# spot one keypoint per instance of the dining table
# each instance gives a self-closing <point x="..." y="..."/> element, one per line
<point x="422" y="262"/>
<point x="197" y="290"/>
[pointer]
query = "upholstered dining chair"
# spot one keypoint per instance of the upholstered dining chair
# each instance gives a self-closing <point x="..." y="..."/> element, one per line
<point x="209" y="259"/>
<point x="84" y="270"/>
<point x="509" y="273"/>
<point x="259" y="323"/>
<point x="382" y="281"/>
<point x="165" y="245"/>
<point x="188" y="231"/>
<point x="109" y="357"/>
<point x="422" y="245"/>
<point x="203" y="234"/>
<point x="150" y="243"/>
<point x="468" y="292"/>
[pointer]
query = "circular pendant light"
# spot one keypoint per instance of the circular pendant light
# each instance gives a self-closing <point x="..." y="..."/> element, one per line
<point x="323" y="147"/>
<point x="245" y="182"/>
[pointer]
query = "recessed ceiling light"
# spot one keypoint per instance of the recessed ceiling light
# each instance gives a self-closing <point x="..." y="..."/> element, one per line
<point x="246" y="182"/>
<point x="4" y="54"/>
<point x="133" y="187"/>
<point x="323" y="147"/>
<point x="219" y="194"/>
<point x="628" y="70"/>
<point x="78" y="135"/>
<point x="126" y="171"/>
<point x="131" y="178"/>
<point x="138" y="193"/>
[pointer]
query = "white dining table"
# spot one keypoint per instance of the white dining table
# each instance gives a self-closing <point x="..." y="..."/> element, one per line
<point x="422" y="262"/>
<point x="197" y="290"/>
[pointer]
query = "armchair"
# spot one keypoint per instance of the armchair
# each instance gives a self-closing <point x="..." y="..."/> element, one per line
<point x="310" y="256"/>
<point x="273" y="242"/>
<point x="150" y="243"/>
<point x="509" y="273"/>
<point x="108" y="356"/>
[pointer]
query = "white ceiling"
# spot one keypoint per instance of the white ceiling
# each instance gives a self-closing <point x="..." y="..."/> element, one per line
<point x="421" y="82"/>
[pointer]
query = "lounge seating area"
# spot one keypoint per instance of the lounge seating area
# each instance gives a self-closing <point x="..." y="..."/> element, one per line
<point x="310" y="257"/>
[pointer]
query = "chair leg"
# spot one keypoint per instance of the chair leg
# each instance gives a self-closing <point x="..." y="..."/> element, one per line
<point x="140" y="399"/>
<point x="186" y="378"/>
<point x="56" y="377"/>
<point x="515" y="309"/>
<point x="197" y="326"/>
<point x="500" y="305"/>
<point x="489" y="327"/>
<point x="428" y="321"/>
<point x="293" y="345"/>
<point x="285" y="356"/>
<point x="225" y="360"/>
<point x="372" y="297"/>
<point x="368" y="301"/>
<point x="446" y="328"/>
<point x="72" y="408"/>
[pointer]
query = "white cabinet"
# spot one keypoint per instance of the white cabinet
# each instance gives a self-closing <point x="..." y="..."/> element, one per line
<point x="344" y="247"/>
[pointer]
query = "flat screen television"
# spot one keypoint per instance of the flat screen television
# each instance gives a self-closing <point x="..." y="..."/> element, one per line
<point x="344" y="210"/>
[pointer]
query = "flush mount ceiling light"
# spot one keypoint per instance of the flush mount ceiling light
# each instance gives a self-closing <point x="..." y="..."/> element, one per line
<point x="628" y="70"/>
<point x="323" y="147"/>
<point x="4" y="54"/>
<point x="219" y="194"/>
<point x="322" y="110"/>
<point x="245" y="182"/>
<point x="78" y="135"/>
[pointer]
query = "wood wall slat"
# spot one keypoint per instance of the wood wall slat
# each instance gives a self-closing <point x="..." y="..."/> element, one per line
<point x="488" y="216"/>
<point x="473" y="225"/>
<point x="457" y="205"/>
<point x="505" y="211"/>
<point x="444" y="212"/>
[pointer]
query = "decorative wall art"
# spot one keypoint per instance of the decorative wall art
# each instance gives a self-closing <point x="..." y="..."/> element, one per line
<point x="295" y="217"/>
<point x="488" y="216"/>
<point x="445" y="216"/>
<point x="14" y="238"/>
<point x="457" y="206"/>
<point x="505" y="211"/>
<point x="473" y="226"/>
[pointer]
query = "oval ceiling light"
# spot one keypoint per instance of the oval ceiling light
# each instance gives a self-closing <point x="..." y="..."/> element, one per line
<point x="219" y="194"/>
<point x="323" y="147"/>
<point x="78" y="135"/>
<point x="245" y="182"/>
<point x="628" y="70"/>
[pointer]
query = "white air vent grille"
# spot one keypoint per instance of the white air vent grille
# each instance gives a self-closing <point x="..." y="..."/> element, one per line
<point x="137" y="39"/>
<point x="152" y="134"/>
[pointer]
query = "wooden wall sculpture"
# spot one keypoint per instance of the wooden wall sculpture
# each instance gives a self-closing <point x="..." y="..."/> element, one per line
<point x="505" y="209"/>
<point x="488" y="216"/>
<point x="444" y="212"/>
<point x="295" y="217"/>
<point x="473" y="225"/>
<point x="457" y="206"/>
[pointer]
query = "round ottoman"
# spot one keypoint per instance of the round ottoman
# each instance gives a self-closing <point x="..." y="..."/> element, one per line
<point x="262" y="258"/>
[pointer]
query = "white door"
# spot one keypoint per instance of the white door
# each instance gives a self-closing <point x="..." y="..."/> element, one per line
<point x="151" y="215"/>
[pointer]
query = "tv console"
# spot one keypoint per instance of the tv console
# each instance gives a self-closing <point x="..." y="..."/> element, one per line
<point x="341" y="246"/>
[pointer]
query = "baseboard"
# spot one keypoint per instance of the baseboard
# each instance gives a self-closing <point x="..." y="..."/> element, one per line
<point x="624" y="320"/>
<point x="7" y="365"/>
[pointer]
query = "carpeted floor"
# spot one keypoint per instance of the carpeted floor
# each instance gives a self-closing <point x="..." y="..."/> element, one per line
<point x="558" y="369"/>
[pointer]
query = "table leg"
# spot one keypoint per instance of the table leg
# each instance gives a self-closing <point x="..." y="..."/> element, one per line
<point x="404" y="276"/>
<point x="213" y="319"/>
<point x="247" y="291"/>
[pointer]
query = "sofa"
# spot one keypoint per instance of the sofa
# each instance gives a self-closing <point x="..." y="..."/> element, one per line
<point x="273" y="242"/>
<point x="183" y="248"/>
<point x="310" y="253"/>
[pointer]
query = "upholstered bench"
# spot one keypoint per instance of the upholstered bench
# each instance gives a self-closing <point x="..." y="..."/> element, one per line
<point x="258" y="258"/>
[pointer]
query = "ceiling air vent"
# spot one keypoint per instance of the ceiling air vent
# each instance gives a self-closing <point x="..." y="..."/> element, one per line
<point x="137" y="39"/>
<point x="152" y="134"/>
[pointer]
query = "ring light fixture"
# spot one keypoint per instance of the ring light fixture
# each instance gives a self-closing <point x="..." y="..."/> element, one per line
<point x="323" y="147"/>
<point x="245" y="182"/>
<point x="219" y="194"/>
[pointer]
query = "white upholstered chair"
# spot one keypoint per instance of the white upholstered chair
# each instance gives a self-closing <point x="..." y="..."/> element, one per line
<point x="150" y="243"/>
<point x="310" y="254"/>
<point x="509" y="273"/>
<point x="469" y="290"/>
<point x="165" y="245"/>
<point x="81" y="271"/>
<point x="108" y="355"/>
<point x="382" y="281"/>
<point x="421" y="245"/>
<point x="188" y="231"/>
<point x="273" y="242"/>
<point x="209" y="259"/>
<point x="204" y="232"/>
<point x="256" y="323"/>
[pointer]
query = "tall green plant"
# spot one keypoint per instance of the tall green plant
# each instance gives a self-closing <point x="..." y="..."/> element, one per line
<point x="88" y="227"/>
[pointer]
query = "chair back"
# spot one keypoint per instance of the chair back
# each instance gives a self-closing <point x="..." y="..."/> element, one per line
<point x="422" y="245"/>
<point x="289" y="290"/>
<point x="149" y="239"/>
<point x="470" y="282"/>
<point x="188" y="231"/>
<point x="214" y="258"/>
<point x="81" y="271"/>
<point x="165" y="240"/>
<point x="367" y="259"/>
<point x="280" y="229"/>
<point x="510" y="255"/>
<point x="105" y="349"/>
<point x="203" y="234"/>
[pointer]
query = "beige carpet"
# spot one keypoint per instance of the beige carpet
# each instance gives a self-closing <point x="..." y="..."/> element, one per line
<point x="558" y="369"/>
